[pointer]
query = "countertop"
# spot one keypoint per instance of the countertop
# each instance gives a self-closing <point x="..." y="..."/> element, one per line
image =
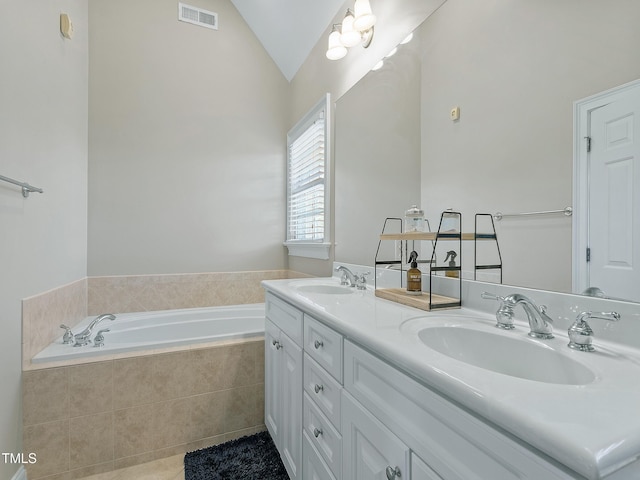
<point x="593" y="429"/>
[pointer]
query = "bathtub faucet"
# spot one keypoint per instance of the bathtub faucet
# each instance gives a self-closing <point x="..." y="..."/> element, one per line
<point x="83" y="338"/>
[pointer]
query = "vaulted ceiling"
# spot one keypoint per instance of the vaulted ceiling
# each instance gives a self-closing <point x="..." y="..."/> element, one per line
<point x="288" y="29"/>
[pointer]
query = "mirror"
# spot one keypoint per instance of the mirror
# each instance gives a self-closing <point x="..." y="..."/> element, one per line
<point x="515" y="70"/>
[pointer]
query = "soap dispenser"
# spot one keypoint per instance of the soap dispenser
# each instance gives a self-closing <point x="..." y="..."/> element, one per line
<point x="452" y="264"/>
<point x="414" y="276"/>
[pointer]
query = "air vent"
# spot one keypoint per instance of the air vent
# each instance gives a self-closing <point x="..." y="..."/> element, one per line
<point x="197" y="16"/>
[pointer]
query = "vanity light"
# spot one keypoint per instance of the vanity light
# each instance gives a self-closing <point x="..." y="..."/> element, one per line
<point x="356" y="28"/>
<point x="392" y="52"/>
<point x="365" y="19"/>
<point x="378" y="66"/>
<point x="407" y="40"/>
<point x="336" y="49"/>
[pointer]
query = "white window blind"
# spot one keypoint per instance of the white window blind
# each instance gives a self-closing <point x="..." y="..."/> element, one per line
<point x="307" y="184"/>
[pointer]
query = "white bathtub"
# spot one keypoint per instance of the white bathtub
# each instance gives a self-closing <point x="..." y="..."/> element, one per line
<point x="131" y="332"/>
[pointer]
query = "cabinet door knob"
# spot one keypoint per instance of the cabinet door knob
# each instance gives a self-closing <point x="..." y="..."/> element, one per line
<point x="276" y="344"/>
<point x="317" y="432"/>
<point x="318" y="344"/>
<point x="318" y="388"/>
<point x="393" y="473"/>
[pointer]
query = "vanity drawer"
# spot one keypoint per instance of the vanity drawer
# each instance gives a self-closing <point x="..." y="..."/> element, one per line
<point x="286" y="317"/>
<point x="324" y="346"/>
<point x="323" y="436"/>
<point x="422" y="471"/>
<point x="314" y="467"/>
<point x="323" y="389"/>
<point x="436" y="429"/>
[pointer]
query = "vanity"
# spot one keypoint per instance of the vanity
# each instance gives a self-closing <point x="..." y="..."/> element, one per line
<point x="361" y="387"/>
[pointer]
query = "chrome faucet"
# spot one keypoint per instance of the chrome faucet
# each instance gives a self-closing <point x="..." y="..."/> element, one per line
<point x="361" y="280"/>
<point x="83" y="338"/>
<point x="539" y="321"/>
<point x="580" y="333"/>
<point x="348" y="277"/>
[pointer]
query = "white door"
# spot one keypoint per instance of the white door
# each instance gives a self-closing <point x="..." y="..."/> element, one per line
<point x="614" y="198"/>
<point x="370" y="450"/>
<point x="272" y="381"/>
<point x="291" y="407"/>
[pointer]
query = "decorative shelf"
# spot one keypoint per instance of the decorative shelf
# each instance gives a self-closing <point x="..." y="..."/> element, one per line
<point x="425" y="301"/>
<point x="435" y="236"/>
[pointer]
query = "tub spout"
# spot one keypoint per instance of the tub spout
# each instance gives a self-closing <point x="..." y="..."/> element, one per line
<point x="83" y="338"/>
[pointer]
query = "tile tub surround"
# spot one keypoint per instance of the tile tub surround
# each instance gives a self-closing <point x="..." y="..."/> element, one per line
<point x="87" y="419"/>
<point x="42" y="314"/>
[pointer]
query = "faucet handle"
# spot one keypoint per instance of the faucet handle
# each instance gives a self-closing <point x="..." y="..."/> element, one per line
<point x="361" y="280"/>
<point x="581" y="334"/>
<point x="98" y="341"/>
<point x="67" y="338"/>
<point x="491" y="296"/>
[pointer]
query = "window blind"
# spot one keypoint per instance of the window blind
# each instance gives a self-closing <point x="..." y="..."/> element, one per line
<point x="306" y="183"/>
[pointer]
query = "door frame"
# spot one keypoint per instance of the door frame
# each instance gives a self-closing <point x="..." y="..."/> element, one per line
<point x="580" y="220"/>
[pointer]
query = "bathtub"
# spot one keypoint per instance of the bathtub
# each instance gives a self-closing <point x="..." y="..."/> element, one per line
<point x="142" y="331"/>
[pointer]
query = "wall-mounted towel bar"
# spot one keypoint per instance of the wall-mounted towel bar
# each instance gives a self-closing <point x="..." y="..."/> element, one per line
<point x="568" y="211"/>
<point x="26" y="188"/>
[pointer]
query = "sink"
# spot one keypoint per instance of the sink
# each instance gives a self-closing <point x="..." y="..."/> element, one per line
<point x="326" y="289"/>
<point x="522" y="358"/>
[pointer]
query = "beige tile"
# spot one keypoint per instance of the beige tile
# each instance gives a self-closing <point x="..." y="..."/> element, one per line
<point x="45" y="396"/>
<point x="103" y="471"/>
<point x="91" y="440"/>
<point x="171" y="422"/>
<point x="240" y="366"/>
<point x="50" y="443"/>
<point x="164" y="469"/>
<point x="240" y="409"/>
<point x="132" y="382"/>
<point x="207" y="368"/>
<point x="91" y="388"/>
<point x="133" y="433"/>
<point x="205" y="442"/>
<point x="207" y="415"/>
<point x="171" y="376"/>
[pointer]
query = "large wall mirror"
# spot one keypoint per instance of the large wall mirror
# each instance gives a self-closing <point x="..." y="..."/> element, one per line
<point x="515" y="70"/>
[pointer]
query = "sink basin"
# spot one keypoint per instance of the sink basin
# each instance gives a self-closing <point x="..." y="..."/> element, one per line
<point x="512" y="356"/>
<point x="326" y="289"/>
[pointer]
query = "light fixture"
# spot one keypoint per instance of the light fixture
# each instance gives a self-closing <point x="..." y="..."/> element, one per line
<point x="356" y="28"/>
<point x="336" y="49"/>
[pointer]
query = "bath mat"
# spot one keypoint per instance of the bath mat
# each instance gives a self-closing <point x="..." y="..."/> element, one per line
<point x="252" y="458"/>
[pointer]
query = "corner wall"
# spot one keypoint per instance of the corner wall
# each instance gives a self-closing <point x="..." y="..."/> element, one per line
<point x="187" y="129"/>
<point x="43" y="140"/>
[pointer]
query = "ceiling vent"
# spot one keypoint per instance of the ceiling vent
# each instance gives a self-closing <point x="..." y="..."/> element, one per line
<point x="197" y="16"/>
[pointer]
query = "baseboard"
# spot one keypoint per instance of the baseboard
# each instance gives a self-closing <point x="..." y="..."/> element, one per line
<point x="21" y="474"/>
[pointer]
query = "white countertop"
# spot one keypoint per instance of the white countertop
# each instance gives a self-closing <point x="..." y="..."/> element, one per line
<point x="593" y="429"/>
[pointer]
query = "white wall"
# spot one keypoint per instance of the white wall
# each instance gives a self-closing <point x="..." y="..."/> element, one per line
<point x="186" y="145"/>
<point x="515" y="68"/>
<point x="43" y="140"/>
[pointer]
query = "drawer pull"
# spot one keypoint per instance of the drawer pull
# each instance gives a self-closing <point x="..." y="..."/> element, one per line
<point x="393" y="473"/>
<point x="317" y="432"/>
<point x="318" y="388"/>
<point x="276" y="344"/>
<point x="318" y="344"/>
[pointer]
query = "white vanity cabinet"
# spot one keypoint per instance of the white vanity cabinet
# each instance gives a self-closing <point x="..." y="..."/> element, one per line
<point x="283" y="382"/>
<point x="338" y="411"/>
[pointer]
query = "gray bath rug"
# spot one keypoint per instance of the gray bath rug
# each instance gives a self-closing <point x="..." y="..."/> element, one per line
<point x="252" y="458"/>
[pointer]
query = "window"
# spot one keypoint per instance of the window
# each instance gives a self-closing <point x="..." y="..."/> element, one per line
<point x="307" y="185"/>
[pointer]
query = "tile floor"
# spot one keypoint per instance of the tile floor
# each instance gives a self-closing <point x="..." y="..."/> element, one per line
<point x="170" y="468"/>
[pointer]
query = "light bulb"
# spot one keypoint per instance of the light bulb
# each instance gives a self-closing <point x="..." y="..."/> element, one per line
<point x="335" y="50"/>
<point x="378" y="66"/>
<point x="349" y="37"/>
<point x="407" y="40"/>
<point x="364" y="17"/>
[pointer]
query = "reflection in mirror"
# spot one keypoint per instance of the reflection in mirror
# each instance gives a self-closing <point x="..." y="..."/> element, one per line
<point x="514" y="69"/>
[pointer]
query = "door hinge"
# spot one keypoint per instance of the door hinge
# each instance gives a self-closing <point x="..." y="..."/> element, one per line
<point x="588" y="143"/>
<point x="588" y="254"/>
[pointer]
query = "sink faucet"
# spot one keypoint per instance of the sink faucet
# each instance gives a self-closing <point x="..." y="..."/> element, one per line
<point x="348" y="277"/>
<point x="539" y="321"/>
<point x="83" y="338"/>
<point x="580" y="333"/>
